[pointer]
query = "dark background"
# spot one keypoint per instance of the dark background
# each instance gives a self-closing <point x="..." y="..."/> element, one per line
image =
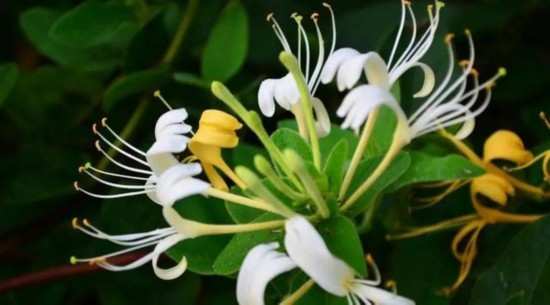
<point x="45" y="123"/>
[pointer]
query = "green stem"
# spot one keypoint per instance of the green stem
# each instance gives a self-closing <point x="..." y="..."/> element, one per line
<point x="181" y="32"/>
<point x="290" y="62"/>
<point x="359" y="152"/>
<point x="245" y="201"/>
<point x="445" y="225"/>
<point x="399" y="140"/>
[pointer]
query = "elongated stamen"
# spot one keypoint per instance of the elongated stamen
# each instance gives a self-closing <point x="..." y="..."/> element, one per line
<point x="425" y="41"/>
<point x="120" y="150"/>
<point x="411" y="42"/>
<point x="332" y="46"/>
<point x="159" y="96"/>
<point x="298" y="19"/>
<point x="102" y="258"/>
<point x="90" y="167"/>
<point x="399" y="32"/>
<point x="450" y="70"/>
<point x="115" y="185"/>
<point x="279" y="32"/>
<point x="103" y="196"/>
<point x="123" y="166"/>
<point x="119" y="138"/>
<point x="124" y="239"/>
<point x="321" y="56"/>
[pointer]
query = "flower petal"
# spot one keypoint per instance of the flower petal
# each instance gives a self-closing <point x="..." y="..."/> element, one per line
<point x="380" y="296"/>
<point x="262" y="264"/>
<point x="162" y="246"/>
<point x="286" y="92"/>
<point x="152" y="195"/>
<point x="266" y="100"/>
<point x="428" y="83"/>
<point x="176" y="116"/>
<point x="308" y="250"/>
<point x="177" y="183"/>
<point x="160" y="156"/>
<point x="322" y="123"/>
<point x="334" y="61"/>
<point x="376" y="70"/>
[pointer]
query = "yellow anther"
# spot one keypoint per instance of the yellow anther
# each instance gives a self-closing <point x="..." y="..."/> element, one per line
<point x="74" y="223"/>
<point x="406" y="2"/>
<point x="104" y="122"/>
<point x="297" y="17"/>
<point x="157" y="93"/>
<point x="81" y="169"/>
<point x="439" y="4"/>
<point x="508" y="146"/>
<point x="315" y="16"/>
<point x="325" y="4"/>
<point x="97" y="145"/>
<point x="474" y="73"/>
<point x="502" y="71"/>
<point x="449" y="38"/>
<point x="269" y="17"/>
<point x="464" y="63"/>
<point x="86" y="222"/>
<point x="73" y="260"/>
<point x="391" y="285"/>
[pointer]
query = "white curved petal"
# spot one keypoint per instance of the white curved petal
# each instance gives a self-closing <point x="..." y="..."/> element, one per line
<point x="152" y="195"/>
<point x="286" y="92"/>
<point x="428" y="83"/>
<point x="176" y="116"/>
<point x="376" y="70"/>
<point x="177" y="183"/>
<point x="172" y="272"/>
<point x="350" y="72"/>
<point x="466" y="129"/>
<point x="262" y="264"/>
<point x="266" y="100"/>
<point x="360" y="101"/>
<point x="308" y="250"/>
<point x="334" y="61"/>
<point x="173" y="130"/>
<point x="322" y="123"/>
<point x="380" y="296"/>
<point x="160" y="155"/>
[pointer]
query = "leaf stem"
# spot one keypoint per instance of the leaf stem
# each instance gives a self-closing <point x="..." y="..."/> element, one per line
<point x="181" y="32"/>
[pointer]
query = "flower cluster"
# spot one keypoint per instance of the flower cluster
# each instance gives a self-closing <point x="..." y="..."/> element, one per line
<point x="171" y="169"/>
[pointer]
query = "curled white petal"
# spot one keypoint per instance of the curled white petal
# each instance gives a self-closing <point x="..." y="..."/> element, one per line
<point x="380" y="296"/>
<point x="151" y="181"/>
<point x="160" y="156"/>
<point x="350" y="72"/>
<point x="262" y="264"/>
<point x="286" y="93"/>
<point x="322" y="123"/>
<point x="308" y="250"/>
<point x="176" y="116"/>
<point x="428" y="82"/>
<point x="466" y="129"/>
<point x="376" y="70"/>
<point x="266" y="97"/>
<point x="334" y="61"/>
<point x="172" y="272"/>
<point x="177" y="183"/>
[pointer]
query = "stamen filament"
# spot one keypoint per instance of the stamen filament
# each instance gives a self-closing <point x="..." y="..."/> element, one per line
<point x="90" y="167"/>
<point x="120" y="150"/>
<point x="101" y="196"/>
<point x="120" y="139"/>
<point x="445" y="225"/>
<point x="245" y="201"/>
<point x="123" y="166"/>
<point x="116" y="185"/>
<point x="159" y="96"/>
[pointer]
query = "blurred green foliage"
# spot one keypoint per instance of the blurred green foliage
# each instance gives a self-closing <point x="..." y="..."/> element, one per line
<point x="66" y="64"/>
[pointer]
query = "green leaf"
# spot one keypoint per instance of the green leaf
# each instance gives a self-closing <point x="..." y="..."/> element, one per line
<point x="94" y="23"/>
<point x="340" y="235"/>
<point x="227" y="44"/>
<point x="428" y="168"/>
<point x="244" y="154"/>
<point x="8" y="77"/>
<point x="36" y="23"/>
<point x="287" y="138"/>
<point x="134" y="83"/>
<point x="520" y="275"/>
<point x="232" y="256"/>
<point x="397" y="168"/>
<point x="336" y="164"/>
<point x="191" y="79"/>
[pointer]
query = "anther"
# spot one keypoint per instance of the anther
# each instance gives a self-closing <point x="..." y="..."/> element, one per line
<point x="325" y="4"/>
<point x="75" y="185"/>
<point x="449" y="38"/>
<point x="159" y="96"/>
<point x="544" y="118"/>
<point x="315" y="17"/>
<point x="269" y="17"/>
<point x="467" y="32"/>
<point x="81" y="169"/>
<point x="502" y="71"/>
<point x="406" y="2"/>
<point x="297" y="17"/>
<point x="73" y="260"/>
<point x="474" y="72"/>
<point x="74" y="223"/>
<point x="94" y="128"/>
<point x="464" y="63"/>
<point x="439" y="4"/>
<point x="104" y="122"/>
<point x="97" y="146"/>
<point x="86" y="222"/>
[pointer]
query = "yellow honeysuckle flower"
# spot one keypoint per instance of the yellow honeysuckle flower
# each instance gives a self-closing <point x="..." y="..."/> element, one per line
<point x="494" y="188"/>
<point x="216" y="131"/>
<point x="506" y="145"/>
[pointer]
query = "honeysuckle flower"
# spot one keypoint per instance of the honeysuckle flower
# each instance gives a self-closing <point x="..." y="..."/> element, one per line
<point x="307" y="250"/>
<point x="284" y="91"/>
<point x="508" y="146"/>
<point x="171" y="138"/>
<point x="216" y="131"/>
<point x="347" y="64"/>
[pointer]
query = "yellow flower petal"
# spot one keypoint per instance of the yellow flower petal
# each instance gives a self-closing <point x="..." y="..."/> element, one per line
<point x="506" y="145"/>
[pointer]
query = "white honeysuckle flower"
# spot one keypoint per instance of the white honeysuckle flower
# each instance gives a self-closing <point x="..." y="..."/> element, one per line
<point x="347" y="64"/>
<point x="449" y="104"/>
<point x="161" y="239"/>
<point x="284" y="91"/>
<point x="171" y="138"/>
<point x="307" y="250"/>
